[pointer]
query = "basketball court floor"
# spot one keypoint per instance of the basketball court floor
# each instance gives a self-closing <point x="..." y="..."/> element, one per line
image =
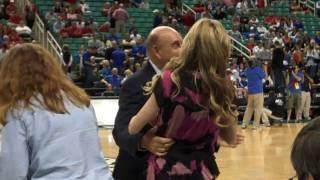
<point x="264" y="155"/>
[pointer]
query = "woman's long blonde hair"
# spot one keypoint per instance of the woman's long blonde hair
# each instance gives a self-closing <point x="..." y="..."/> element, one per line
<point x="206" y="49"/>
<point x="29" y="71"/>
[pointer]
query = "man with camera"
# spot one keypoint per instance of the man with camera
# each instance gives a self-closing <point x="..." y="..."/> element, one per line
<point x="294" y="79"/>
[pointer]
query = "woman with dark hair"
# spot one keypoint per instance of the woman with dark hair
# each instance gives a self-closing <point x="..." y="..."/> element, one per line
<point x="50" y="128"/>
<point x="305" y="154"/>
<point x="66" y="59"/>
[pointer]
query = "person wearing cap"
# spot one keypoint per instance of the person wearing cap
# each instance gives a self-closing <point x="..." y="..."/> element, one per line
<point x="157" y="20"/>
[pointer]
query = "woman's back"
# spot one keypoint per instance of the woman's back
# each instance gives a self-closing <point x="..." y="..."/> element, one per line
<point x="39" y="144"/>
<point x="190" y="125"/>
<point x="185" y="118"/>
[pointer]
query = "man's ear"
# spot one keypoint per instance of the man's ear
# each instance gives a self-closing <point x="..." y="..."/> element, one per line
<point x="155" y="49"/>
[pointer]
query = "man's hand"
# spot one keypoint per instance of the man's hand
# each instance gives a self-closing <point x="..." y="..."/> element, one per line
<point x="156" y="144"/>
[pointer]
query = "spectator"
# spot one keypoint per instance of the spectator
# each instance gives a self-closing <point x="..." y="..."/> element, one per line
<point x="262" y="30"/>
<point x="257" y="49"/>
<point x="157" y="20"/>
<point x="127" y="74"/>
<point x="305" y="95"/>
<point x="312" y="56"/>
<point x="14" y="19"/>
<point x="117" y="58"/>
<point x="295" y="6"/>
<point x="294" y="79"/>
<point x="29" y="16"/>
<point x="23" y="30"/>
<point x="131" y="26"/>
<point x="89" y="66"/>
<point x="96" y="45"/>
<point x="66" y="59"/>
<point x="127" y="42"/>
<point x="277" y="66"/>
<point x="242" y="7"/>
<point x="139" y="51"/>
<point x="113" y="81"/>
<point x="235" y="33"/>
<point x="106" y="9"/>
<point x="58" y="25"/>
<point x="114" y="7"/>
<point x="188" y="20"/>
<point x="106" y="70"/>
<point x="84" y="6"/>
<point x="120" y="15"/>
<point x="110" y="50"/>
<point x="305" y="39"/>
<point x="251" y="44"/>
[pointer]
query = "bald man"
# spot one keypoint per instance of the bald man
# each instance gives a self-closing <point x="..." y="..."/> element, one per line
<point x="163" y="43"/>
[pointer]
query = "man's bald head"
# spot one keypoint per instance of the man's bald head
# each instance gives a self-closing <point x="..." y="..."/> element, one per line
<point x="163" y="43"/>
<point x="156" y="33"/>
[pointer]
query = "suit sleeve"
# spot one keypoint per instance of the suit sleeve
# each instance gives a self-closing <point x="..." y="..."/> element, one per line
<point x="14" y="151"/>
<point x="129" y="104"/>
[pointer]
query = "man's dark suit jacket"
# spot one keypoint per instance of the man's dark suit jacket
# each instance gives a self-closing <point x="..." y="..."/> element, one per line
<point x="131" y="164"/>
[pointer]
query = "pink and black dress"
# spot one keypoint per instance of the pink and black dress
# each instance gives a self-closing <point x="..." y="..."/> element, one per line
<point x="191" y="126"/>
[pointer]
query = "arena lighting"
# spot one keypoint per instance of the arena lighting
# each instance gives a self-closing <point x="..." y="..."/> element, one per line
<point x="106" y="111"/>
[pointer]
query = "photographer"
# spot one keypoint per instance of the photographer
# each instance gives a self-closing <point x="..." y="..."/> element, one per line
<point x="294" y="79"/>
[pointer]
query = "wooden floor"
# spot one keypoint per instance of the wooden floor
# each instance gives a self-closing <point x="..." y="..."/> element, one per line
<point x="264" y="155"/>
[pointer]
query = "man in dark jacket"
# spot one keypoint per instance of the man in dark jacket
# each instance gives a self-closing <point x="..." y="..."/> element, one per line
<point x="163" y="43"/>
<point x="277" y="67"/>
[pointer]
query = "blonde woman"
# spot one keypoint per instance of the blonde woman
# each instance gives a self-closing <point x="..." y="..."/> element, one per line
<point x="50" y="128"/>
<point x="191" y="103"/>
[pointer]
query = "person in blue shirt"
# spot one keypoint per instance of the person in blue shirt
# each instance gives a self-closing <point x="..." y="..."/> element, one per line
<point x="117" y="58"/>
<point x="105" y="71"/>
<point x="50" y="128"/>
<point x="113" y="81"/>
<point x="139" y="51"/>
<point x="255" y="75"/>
<point x="294" y="80"/>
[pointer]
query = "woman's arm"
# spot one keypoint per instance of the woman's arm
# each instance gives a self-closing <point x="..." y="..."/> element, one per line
<point x="147" y="114"/>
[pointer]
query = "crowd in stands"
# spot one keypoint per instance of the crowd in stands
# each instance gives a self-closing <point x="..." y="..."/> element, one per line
<point x="113" y="53"/>
<point x="15" y="28"/>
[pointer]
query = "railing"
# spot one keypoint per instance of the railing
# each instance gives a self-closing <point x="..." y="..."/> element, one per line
<point x="53" y="46"/>
<point x="238" y="46"/>
<point x="310" y="4"/>
<point x="186" y="8"/>
<point x="39" y="31"/>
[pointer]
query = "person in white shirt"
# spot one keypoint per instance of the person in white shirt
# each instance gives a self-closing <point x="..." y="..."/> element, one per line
<point x="23" y="30"/>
